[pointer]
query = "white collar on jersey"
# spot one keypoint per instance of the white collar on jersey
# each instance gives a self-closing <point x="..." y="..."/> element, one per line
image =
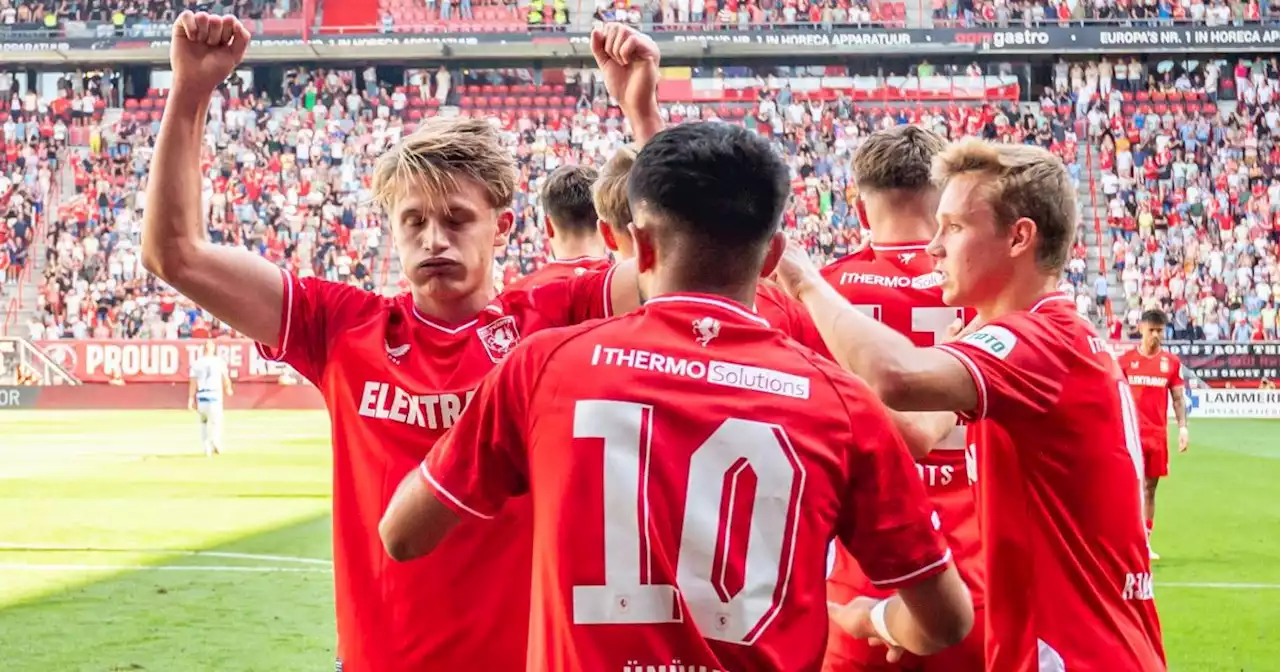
<point x="1049" y="298"/>
<point x="725" y="304"/>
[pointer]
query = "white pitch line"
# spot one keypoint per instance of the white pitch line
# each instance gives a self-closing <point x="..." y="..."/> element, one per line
<point x="51" y="548"/>
<point x="1220" y="586"/>
<point x="31" y="567"/>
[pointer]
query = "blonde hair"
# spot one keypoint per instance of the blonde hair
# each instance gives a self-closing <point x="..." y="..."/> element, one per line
<point x="897" y="158"/>
<point x="440" y="151"/>
<point x="1023" y="181"/>
<point x="610" y="190"/>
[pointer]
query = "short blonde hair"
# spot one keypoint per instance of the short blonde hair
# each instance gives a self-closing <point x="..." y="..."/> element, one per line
<point x="900" y="157"/>
<point x="440" y="151"/>
<point x="1024" y="181"/>
<point x="610" y="190"/>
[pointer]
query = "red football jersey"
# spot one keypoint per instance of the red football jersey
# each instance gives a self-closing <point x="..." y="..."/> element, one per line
<point x="1150" y="379"/>
<point x="560" y="269"/>
<point x="790" y="317"/>
<point x="1059" y="472"/>
<point x="689" y="466"/>
<point x="394" y="381"/>
<point x="895" y="284"/>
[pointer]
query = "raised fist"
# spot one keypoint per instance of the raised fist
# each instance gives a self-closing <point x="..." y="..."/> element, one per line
<point x="629" y="60"/>
<point x="205" y="51"/>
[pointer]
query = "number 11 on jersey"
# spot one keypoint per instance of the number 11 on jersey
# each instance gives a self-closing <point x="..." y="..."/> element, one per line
<point x="731" y="595"/>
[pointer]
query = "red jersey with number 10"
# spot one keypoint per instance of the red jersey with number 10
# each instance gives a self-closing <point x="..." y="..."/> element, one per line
<point x="688" y="466"/>
<point x="1150" y="378"/>
<point x="394" y="381"/>
<point x="896" y="285"/>
<point x="1059" y="473"/>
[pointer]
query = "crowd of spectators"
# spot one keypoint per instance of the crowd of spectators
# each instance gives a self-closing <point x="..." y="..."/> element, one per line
<point x="1190" y="198"/>
<point x="129" y="15"/>
<point x="1183" y="190"/>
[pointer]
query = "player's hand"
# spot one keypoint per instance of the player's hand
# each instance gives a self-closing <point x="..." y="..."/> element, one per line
<point x="958" y="329"/>
<point x="205" y="51"/>
<point x="855" y="619"/>
<point x="191" y="405"/>
<point x="1184" y="439"/>
<point x="629" y="60"/>
<point x="796" y="272"/>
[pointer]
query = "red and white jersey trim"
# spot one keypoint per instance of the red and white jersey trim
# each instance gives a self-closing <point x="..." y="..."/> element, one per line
<point x="979" y="382"/>
<point x="712" y="302"/>
<point x="435" y="485"/>
<point x="946" y="557"/>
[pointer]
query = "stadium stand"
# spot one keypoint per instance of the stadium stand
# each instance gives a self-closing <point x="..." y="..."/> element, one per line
<point x="1175" y="169"/>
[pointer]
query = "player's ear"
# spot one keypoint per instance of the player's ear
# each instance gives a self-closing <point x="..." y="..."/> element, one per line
<point x="1022" y="237"/>
<point x="646" y="255"/>
<point x="606" y="232"/>
<point x="506" y="219"/>
<point x="773" y="253"/>
<point x="547" y="227"/>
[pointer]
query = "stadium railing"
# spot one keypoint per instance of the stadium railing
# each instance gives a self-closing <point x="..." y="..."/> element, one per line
<point x="1098" y="212"/>
<point x="34" y="252"/>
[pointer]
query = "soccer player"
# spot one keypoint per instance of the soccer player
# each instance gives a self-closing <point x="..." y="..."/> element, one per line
<point x="395" y="372"/>
<point x="687" y="463"/>
<point x="1052" y="423"/>
<point x="893" y="281"/>
<point x="571" y="228"/>
<point x="1154" y="376"/>
<point x="210" y="382"/>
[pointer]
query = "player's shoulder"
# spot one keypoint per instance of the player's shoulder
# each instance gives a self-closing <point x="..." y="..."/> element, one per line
<point x="856" y="261"/>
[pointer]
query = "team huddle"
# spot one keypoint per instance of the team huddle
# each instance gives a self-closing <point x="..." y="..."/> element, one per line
<point x="707" y="454"/>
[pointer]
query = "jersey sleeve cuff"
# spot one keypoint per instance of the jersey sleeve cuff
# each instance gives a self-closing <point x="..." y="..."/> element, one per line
<point x="277" y="354"/>
<point x="980" y="411"/>
<point x="912" y="578"/>
<point x="448" y="498"/>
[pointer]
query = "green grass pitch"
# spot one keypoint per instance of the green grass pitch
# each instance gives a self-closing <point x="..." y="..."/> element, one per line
<point x="123" y="548"/>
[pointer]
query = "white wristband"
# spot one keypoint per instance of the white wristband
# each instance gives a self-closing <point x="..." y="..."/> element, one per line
<point x="878" y="622"/>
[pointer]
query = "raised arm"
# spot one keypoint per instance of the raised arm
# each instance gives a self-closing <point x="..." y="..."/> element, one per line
<point x="235" y="285"/>
<point x="629" y="60"/>
<point x="906" y="377"/>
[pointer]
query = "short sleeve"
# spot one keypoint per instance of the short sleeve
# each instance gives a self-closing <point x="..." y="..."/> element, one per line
<point x="1018" y="365"/>
<point x="481" y="462"/>
<point x="887" y="524"/>
<point x="314" y="313"/>
<point x="1175" y="377"/>
<point x="573" y="300"/>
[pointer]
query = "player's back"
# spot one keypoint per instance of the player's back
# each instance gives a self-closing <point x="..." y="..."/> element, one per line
<point x="896" y="285"/>
<point x="560" y="269"/>
<point x="1059" y="468"/>
<point x="688" y="467"/>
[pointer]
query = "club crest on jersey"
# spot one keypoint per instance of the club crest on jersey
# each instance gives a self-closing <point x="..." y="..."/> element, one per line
<point x="705" y="329"/>
<point x="1164" y="365"/>
<point x="499" y="337"/>
<point x="906" y="257"/>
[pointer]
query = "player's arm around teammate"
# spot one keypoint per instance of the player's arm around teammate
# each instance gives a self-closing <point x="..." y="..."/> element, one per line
<point x="235" y="285"/>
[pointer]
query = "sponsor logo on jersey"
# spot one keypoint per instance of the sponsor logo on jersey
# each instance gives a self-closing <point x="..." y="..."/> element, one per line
<point x="705" y="329"/>
<point x="499" y="337"/>
<point x="890" y="281"/>
<point x="926" y="281"/>
<point x="385" y="401"/>
<point x="727" y="374"/>
<point x="397" y="352"/>
<point x="993" y="339"/>
<point x="1147" y="381"/>
<point x="906" y="257"/>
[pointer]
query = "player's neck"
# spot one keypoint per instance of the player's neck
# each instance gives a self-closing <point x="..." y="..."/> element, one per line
<point x="896" y="219"/>
<point x="744" y="294"/>
<point x="453" y="310"/>
<point x="577" y="248"/>
<point x="1017" y="295"/>
<point x="1148" y="352"/>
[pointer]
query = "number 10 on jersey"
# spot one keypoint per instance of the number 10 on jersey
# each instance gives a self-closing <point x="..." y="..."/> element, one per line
<point x="732" y="589"/>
